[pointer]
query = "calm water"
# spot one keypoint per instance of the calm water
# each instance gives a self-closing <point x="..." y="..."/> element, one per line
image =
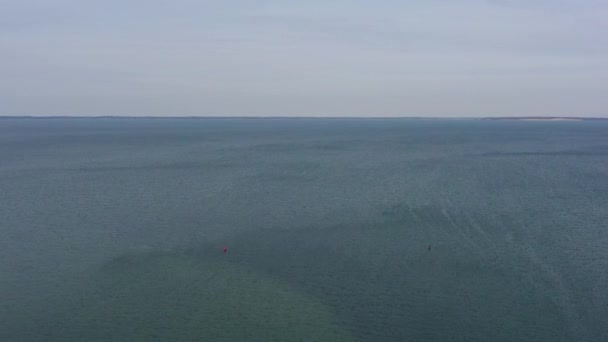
<point x="113" y="229"/>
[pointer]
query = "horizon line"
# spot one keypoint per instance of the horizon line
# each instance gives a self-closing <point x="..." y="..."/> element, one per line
<point x="539" y="117"/>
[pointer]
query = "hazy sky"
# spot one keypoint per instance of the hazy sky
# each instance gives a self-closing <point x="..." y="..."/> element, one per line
<point x="311" y="58"/>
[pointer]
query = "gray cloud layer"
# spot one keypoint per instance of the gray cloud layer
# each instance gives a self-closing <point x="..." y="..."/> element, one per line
<point x="354" y="58"/>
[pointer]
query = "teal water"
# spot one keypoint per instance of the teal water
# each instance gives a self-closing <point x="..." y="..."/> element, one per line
<point x="112" y="230"/>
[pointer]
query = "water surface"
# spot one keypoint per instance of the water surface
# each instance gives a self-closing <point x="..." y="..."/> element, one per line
<point x="112" y="229"/>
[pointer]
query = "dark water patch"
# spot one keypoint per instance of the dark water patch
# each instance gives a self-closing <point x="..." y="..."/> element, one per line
<point x="564" y="153"/>
<point x="311" y="147"/>
<point x="290" y="172"/>
<point x="152" y="167"/>
<point x="60" y="139"/>
<point x="281" y="178"/>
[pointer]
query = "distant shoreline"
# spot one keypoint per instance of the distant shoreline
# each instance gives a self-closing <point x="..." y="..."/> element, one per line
<point x="515" y="118"/>
<point x="546" y="118"/>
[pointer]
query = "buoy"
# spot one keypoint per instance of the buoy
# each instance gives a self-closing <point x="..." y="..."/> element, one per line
<point x="225" y="249"/>
<point x="429" y="248"/>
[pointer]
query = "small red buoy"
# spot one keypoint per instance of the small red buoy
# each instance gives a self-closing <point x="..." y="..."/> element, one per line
<point x="225" y="249"/>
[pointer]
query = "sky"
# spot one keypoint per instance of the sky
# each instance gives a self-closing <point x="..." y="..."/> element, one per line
<point x="432" y="58"/>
